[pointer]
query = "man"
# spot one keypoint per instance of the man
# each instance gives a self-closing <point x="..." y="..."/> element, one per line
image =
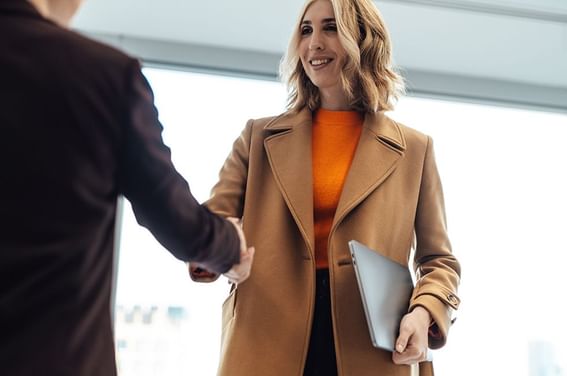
<point x="78" y="128"/>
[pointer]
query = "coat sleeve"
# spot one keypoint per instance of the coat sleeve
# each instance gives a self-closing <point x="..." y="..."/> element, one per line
<point x="437" y="269"/>
<point x="160" y="197"/>
<point x="227" y="196"/>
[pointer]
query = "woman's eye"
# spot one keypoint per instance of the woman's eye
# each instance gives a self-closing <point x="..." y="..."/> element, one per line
<point x="305" y="30"/>
<point x="331" y="27"/>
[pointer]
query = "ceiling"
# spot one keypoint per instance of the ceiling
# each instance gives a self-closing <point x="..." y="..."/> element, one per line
<point x="520" y="42"/>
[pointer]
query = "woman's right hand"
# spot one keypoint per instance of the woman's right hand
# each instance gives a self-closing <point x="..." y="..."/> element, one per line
<point x="241" y="271"/>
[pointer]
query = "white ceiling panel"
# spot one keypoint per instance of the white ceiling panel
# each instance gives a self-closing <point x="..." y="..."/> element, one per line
<point x="486" y="45"/>
<point x="521" y="41"/>
<point x="247" y="24"/>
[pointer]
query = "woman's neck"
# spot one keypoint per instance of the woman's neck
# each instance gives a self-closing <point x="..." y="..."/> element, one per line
<point x="334" y="100"/>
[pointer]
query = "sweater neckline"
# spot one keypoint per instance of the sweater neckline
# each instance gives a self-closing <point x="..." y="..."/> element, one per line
<point x="350" y="118"/>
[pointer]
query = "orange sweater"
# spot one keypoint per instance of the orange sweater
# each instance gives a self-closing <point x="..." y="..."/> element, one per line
<point x="335" y="137"/>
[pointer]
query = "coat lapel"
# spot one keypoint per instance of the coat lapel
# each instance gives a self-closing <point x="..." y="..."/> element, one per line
<point x="289" y="151"/>
<point x="379" y="150"/>
<point x="289" y="155"/>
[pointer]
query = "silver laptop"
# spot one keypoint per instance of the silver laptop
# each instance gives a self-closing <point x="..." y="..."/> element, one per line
<point x="385" y="288"/>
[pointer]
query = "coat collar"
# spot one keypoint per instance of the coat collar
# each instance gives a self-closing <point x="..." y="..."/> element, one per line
<point x="381" y="146"/>
<point x="288" y="120"/>
<point x="382" y="126"/>
<point x="20" y="7"/>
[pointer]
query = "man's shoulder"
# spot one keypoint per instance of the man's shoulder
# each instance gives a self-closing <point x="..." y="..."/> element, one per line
<point x="85" y="64"/>
<point x="91" y="50"/>
<point x="29" y="28"/>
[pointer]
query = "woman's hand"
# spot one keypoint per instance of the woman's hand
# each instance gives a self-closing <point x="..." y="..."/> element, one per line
<point x="411" y="345"/>
<point x="241" y="271"/>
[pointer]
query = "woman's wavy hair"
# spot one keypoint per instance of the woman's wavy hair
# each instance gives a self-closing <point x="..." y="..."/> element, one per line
<point x="368" y="77"/>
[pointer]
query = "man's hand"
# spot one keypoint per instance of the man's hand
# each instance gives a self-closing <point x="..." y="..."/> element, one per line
<point x="241" y="271"/>
<point x="411" y="345"/>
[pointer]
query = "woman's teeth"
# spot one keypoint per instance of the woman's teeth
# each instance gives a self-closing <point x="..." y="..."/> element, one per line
<point x="319" y="62"/>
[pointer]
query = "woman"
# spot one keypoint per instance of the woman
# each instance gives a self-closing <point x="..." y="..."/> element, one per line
<point x="331" y="169"/>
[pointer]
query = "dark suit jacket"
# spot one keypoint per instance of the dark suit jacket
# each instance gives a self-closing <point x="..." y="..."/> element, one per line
<point x="77" y="129"/>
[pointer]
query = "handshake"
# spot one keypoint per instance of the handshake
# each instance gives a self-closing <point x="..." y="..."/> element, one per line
<point x="238" y="273"/>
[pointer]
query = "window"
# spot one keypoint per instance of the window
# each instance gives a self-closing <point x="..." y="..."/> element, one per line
<point x="503" y="171"/>
<point x="504" y="177"/>
<point x="165" y="324"/>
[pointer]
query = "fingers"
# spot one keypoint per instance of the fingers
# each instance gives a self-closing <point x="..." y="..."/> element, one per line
<point x="241" y="271"/>
<point x="248" y="254"/>
<point x="232" y="276"/>
<point x="411" y="355"/>
<point x="250" y="258"/>
<point x="404" y="336"/>
<point x="246" y="260"/>
<point x="238" y="226"/>
<point x="411" y="344"/>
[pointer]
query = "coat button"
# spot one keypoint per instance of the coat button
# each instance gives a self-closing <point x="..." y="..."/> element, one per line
<point x="452" y="298"/>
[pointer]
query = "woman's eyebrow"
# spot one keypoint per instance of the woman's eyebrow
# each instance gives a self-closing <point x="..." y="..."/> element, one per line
<point x="325" y="20"/>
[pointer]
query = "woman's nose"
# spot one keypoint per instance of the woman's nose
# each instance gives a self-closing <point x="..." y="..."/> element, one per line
<point x="316" y="44"/>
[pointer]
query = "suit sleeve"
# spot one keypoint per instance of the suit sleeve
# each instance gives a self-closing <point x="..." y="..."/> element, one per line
<point x="160" y="197"/>
<point x="437" y="269"/>
<point x="227" y="196"/>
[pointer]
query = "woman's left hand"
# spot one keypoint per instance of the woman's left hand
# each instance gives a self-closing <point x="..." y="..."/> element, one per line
<point x="411" y="345"/>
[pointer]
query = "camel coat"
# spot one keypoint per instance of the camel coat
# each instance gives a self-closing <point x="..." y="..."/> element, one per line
<point x="392" y="201"/>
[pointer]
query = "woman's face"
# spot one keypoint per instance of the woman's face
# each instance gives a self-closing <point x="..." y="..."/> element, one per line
<point x="320" y="50"/>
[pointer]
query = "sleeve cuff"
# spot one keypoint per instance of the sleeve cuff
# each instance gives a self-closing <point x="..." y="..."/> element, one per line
<point x="440" y="316"/>
<point x="200" y="274"/>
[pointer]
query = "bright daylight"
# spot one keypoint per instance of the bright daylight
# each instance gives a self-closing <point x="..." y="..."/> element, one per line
<point x="505" y="210"/>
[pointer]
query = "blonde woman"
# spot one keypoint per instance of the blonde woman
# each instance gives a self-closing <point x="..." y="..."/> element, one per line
<point x="331" y="169"/>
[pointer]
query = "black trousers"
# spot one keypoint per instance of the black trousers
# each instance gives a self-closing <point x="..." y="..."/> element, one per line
<point x="321" y="357"/>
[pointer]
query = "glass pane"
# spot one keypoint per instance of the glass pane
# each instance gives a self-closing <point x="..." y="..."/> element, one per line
<point x="165" y="323"/>
<point x="504" y="176"/>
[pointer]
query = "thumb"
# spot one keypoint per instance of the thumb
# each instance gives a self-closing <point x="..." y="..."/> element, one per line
<point x="247" y="253"/>
<point x="402" y="341"/>
<point x="251" y="251"/>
